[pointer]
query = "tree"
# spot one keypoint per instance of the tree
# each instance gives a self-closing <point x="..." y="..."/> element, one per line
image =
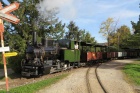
<point x="82" y="34"/>
<point x="108" y="28"/>
<point x="73" y="31"/>
<point x="31" y="20"/>
<point x="56" y="31"/>
<point x="134" y="39"/>
<point x="136" y="26"/>
<point x="120" y="37"/>
<point x="89" y="39"/>
<point x="16" y="36"/>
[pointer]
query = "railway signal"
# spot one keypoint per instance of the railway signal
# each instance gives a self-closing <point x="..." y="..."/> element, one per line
<point x="5" y="14"/>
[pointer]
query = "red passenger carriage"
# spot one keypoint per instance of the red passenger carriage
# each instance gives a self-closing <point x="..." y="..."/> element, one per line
<point x="86" y="54"/>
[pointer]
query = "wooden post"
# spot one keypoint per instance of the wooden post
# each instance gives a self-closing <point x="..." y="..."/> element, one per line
<point x="3" y="52"/>
<point x="4" y="61"/>
<point x="5" y="13"/>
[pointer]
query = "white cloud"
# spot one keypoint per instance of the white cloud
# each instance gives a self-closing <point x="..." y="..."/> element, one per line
<point x="73" y="9"/>
<point x="125" y="14"/>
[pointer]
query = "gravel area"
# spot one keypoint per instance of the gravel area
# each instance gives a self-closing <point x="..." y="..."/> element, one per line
<point x="113" y="79"/>
<point x="96" y="88"/>
<point x="109" y="73"/>
<point x="74" y="83"/>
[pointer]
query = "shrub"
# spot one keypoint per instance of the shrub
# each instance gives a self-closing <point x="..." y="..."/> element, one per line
<point x="15" y="63"/>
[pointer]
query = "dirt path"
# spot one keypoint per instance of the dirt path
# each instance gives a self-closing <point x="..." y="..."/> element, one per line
<point x="112" y="77"/>
<point x="110" y="74"/>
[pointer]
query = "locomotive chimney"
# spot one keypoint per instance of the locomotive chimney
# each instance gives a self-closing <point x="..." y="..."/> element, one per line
<point x="34" y="38"/>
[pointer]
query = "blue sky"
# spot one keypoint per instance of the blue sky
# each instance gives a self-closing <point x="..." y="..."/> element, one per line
<point x="89" y="14"/>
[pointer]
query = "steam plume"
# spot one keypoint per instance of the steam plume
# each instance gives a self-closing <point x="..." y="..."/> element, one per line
<point x="66" y="8"/>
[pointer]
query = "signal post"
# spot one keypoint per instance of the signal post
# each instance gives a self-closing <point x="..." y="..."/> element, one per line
<point x="5" y="14"/>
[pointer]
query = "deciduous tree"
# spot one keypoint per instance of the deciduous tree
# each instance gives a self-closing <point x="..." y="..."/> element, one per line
<point x="120" y="37"/>
<point x="107" y="28"/>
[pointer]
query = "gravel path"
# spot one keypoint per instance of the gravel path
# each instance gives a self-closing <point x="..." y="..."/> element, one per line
<point x="112" y="78"/>
<point x="110" y="75"/>
<point x="74" y="83"/>
<point x="96" y="88"/>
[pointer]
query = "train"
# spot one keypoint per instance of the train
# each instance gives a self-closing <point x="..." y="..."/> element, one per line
<point x="57" y="55"/>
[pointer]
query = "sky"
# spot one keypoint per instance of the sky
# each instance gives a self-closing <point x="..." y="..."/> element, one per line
<point x="89" y="14"/>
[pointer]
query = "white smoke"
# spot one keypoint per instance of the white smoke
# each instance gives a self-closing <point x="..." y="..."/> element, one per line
<point x="66" y="8"/>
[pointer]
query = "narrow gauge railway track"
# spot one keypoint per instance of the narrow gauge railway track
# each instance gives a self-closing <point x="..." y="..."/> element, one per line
<point x="98" y="79"/>
<point x="87" y="81"/>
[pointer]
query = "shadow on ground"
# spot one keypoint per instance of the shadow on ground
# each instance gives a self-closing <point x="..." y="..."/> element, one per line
<point x="117" y="64"/>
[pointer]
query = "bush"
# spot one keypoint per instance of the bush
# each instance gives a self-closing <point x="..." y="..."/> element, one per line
<point x="15" y="63"/>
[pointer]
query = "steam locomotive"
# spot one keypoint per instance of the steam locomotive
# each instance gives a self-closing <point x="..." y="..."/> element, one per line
<point x="50" y="56"/>
<point x="56" y="55"/>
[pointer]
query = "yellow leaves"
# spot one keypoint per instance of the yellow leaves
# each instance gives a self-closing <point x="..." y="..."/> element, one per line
<point x="107" y="27"/>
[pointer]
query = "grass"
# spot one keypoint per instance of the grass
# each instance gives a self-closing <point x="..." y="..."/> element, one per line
<point x="32" y="88"/>
<point x="132" y="71"/>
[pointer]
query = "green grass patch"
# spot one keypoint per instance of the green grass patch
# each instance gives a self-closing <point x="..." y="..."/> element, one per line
<point x="132" y="71"/>
<point x="32" y="88"/>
